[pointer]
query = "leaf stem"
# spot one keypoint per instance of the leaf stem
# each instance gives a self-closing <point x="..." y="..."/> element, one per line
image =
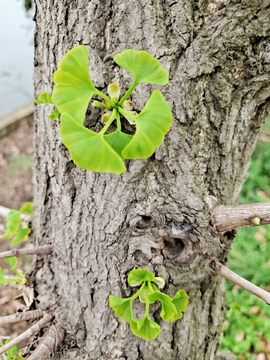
<point x="7" y="281"/>
<point x="102" y="105"/>
<point x="138" y="292"/>
<point x="102" y="132"/>
<point x="127" y="114"/>
<point x="128" y="93"/>
<point x="105" y="97"/>
<point x="147" y="302"/>
<point x="118" y="121"/>
<point x="153" y="287"/>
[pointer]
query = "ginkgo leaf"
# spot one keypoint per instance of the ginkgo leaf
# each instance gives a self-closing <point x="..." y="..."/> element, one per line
<point x="160" y="282"/>
<point x="122" y="307"/>
<point x="114" y="92"/>
<point x="54" y="115"/>
<point x="151" y="126"/>
<point x="20" y="236"/>
<point x="168" y="309"/>
<point x="138" y="276"/>
<point x="143" y="294"/>
<point x="118" y="141"/>
<point x="14" y="350"/>
<point x="143" y="67"/>
<point x="12" y="262"/>
<point x="180" y="301"/>
<point x="2" y="278"/>
<point x="44" y="98"/>
<point x="74" y="87"/>
<point x="27" y="209"/>
<point x="89" y="150"/>
<point x="13" y="221"/>
<point x="145" y="328"/>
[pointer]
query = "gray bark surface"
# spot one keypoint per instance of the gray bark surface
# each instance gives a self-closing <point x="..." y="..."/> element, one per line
<point x="157" y="214"/>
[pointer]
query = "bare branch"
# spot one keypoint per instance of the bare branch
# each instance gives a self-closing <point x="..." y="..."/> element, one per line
<point x="43" y="250"/>
<point x="228" y="217"/>
<point x="50" y="342"/>
<point x="243" y="283"/>
<point x="20" y="316"/>
<point x="28" y="333"/>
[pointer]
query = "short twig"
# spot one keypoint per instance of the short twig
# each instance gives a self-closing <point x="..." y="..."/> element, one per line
<point x="243" y="283"/>
<point x="42" y="250"/>
<point x="28" y="333"/>
<point x="229" y="217"/>
<point x="50" y="342"/>
<point x="20" y="316"/>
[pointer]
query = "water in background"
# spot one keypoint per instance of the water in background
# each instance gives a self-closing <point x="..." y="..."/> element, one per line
<point x="16" y="55"/>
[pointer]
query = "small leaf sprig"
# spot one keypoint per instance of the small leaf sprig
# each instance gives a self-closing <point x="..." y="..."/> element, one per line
<point x="172" y="308"/>
<point x="103" y="152"/>
<point x="19" y="230"/>
<point x="16" y="227"/>
<point x="12" y="262"/>
<point x="13" y="353"/>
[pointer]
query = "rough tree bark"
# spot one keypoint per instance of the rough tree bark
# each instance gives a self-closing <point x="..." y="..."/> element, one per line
<point x="157" y="214"/>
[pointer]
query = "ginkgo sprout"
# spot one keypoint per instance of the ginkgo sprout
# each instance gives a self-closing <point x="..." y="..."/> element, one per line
<point x="172" y="308"/>
<point x="74" y="89"/>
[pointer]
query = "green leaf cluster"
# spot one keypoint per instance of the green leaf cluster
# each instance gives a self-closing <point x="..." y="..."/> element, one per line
<point x="12" y="262"/>
<point x="172" y="308"/>
<point x="45" y="98"/>
<point x="13" y="353"/>
<point x="100" y="151"/>
<point x="16" y="228"/>
<point x="19" y="230"/>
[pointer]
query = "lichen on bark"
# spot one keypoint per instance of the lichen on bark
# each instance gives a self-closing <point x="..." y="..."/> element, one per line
<point x="102" y="225"/>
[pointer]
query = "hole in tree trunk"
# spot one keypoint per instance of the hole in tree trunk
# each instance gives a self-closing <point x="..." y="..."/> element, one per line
<point x="173" y="248"/>
<point x="145" y="222"/>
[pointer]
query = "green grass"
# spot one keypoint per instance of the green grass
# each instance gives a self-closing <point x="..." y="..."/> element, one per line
<point x="246" y="331"/>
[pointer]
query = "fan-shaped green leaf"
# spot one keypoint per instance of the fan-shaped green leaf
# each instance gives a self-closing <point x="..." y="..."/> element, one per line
<point x="151" y="126"/>
<point x="13" y="221"/>
<point x="168" y="311"/>
<point x="74" y="87"/>
<point x="138" y="276"/>
<point x="118" y="141"/>
<point x="12" y="262"/>
<point x="180" y="301"/>
<point x="122" y="307"/>
<point x="27" y="209"/>
<point x="2" y="278"/>
<point x="160" y="282"/>
<point x="44" y="98"/>
<point x="114" y="92"/>
<point x="54" y="115"/>
<point x="89" y="150"/>
<point x="143" y="67"/>
<point x="145" y="328"/>
<point x="14" y="350"/>
<point x="143" y="294"/>
<point x="21" y="236"/>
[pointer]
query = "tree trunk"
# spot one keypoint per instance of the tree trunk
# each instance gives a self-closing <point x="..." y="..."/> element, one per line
<point x="102" y="225"/>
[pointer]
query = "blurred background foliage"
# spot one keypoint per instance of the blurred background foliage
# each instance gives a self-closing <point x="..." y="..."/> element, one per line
<point x="246" y="331"/>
